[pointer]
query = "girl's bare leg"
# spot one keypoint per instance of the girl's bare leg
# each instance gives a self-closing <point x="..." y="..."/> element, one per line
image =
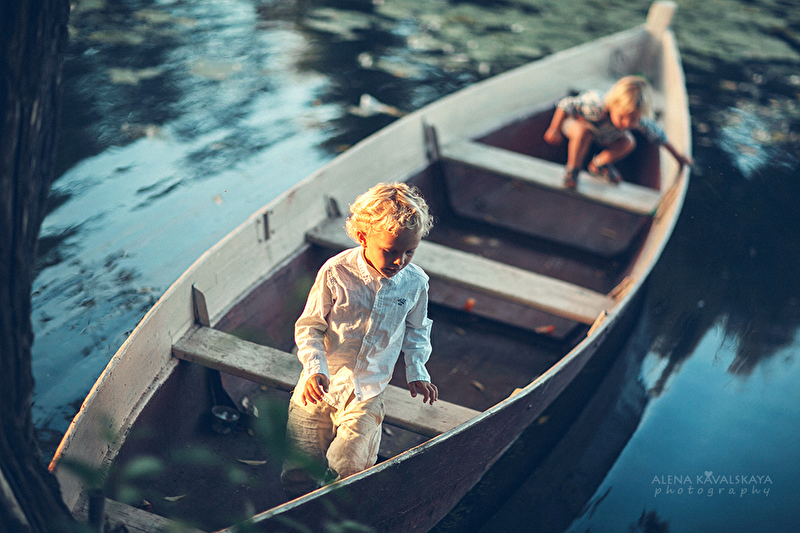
<point x="616" y="151"/>
<point x="580" y="138"/>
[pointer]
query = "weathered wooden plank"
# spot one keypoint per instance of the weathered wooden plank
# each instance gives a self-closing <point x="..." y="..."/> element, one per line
<point x="491" y="277"/>
<point x="280" y="370"/>
<point x="625" y="196"/>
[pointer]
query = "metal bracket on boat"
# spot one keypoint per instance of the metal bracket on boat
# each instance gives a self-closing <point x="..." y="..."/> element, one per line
<point x="265" y="223"/>
<point x="199" y="307"/>
<point x="332" y="207"/>
<point x="262" y="227"/>
<point x="431" y="143"/>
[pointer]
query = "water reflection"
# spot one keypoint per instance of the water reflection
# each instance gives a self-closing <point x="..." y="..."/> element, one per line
<point x="727" y="261"/>
<point x="176" y="127"/>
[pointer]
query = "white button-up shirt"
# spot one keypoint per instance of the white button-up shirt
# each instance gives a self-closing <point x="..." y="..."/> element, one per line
<point x="356" y="322"/>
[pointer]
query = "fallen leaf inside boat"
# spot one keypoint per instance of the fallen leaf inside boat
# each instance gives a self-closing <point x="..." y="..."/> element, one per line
<point x="607" y="232"/>
<point x="478" y="385"/>
<point x="469" y="304"/>
<point x="546" y="330"/>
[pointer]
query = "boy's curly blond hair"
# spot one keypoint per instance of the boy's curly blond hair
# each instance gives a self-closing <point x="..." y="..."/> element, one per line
<point x="389" y="207"/>
<point x="631" y="93"/>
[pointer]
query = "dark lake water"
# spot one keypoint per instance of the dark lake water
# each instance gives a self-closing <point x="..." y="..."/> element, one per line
<point x="182" y="117"/>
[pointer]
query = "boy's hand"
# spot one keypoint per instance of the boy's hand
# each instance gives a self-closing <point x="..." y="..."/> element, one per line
<point x="316" y="386"/>
<point x="426" y="388"/>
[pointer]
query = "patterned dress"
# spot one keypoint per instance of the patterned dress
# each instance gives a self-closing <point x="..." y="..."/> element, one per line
<point x="589" y="106"/>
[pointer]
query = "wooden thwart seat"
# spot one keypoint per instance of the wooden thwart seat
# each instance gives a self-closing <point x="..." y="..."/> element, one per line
<point x="488" y="276"/>
<point x="625" y="196"/>
<point x="280" y="370"/>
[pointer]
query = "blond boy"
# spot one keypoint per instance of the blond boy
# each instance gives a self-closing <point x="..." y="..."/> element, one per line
<point x="608" y="121"/>
<point x="367" y="305"/>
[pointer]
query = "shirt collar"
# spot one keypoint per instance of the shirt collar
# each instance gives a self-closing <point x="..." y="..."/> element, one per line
<point x="369" y="274"/>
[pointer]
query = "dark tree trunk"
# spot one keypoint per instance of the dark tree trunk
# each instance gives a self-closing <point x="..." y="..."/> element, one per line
<point x="33" y="36"/>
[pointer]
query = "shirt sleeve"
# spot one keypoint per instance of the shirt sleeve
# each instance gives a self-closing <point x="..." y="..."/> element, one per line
<point x="310" y="328"/>
<point x="588" y="105"/>
<point x="417" y="340"/>
<point x="651" y="130"/>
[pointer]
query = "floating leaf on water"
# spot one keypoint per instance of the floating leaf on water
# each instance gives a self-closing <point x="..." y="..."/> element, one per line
<point x="153" y="16"/>
<point x="137" y="131"/>
<point x="366" y="60"/>
<point x="216" y="71"/>
<point x="338" y="22"/>
<point x="368" y="106"/>
<point x="117" y="37"/>
<point x="174" y="498"/>
<point x="543" y="420"/>
<point x="461" y="331"/>
<point x="128" y="76"/>
<point x="252" y="463"/>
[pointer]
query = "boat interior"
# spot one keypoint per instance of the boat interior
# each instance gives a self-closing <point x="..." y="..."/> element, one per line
<point x="520" y="269"/>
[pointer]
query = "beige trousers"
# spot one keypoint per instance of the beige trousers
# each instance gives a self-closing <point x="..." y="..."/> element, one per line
<point x="345" y="441"/>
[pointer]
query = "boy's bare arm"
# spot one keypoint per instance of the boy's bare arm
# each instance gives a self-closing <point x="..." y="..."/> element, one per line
<point x="428" y="390"/>
<point x="315" y="388"/>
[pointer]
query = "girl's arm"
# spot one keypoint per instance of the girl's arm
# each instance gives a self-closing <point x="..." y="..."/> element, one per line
<point x="553" y="135"/>
<point x="682" y="159"/>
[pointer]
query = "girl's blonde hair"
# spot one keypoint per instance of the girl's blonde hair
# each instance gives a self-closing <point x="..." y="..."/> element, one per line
<point x="631" y="93"/>
<point x="389" y="207"/>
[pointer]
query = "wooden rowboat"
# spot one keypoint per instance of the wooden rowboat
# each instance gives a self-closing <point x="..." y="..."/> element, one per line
<point x="528" y="281"/>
